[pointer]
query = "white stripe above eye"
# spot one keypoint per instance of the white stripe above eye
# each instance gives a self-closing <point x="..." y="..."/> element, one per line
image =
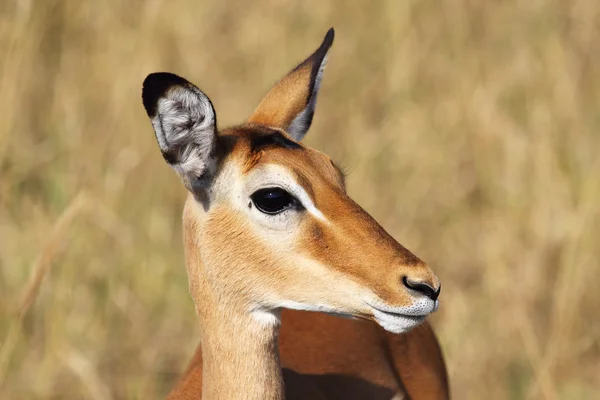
<point x="306" y="201"/>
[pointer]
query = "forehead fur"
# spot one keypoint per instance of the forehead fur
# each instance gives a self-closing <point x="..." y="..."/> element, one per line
<point x="252" y="145"/>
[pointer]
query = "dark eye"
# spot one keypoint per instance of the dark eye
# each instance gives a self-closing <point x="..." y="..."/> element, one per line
<point x="272" y="200"/>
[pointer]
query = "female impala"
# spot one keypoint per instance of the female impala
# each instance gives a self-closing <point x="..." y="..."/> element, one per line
<point x="268" y="226"/>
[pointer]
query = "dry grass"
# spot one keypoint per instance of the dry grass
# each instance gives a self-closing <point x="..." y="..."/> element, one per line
<point x="471" y="129"/>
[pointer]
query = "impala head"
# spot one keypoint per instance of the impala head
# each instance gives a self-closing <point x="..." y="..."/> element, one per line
<point x="268" y="223"/>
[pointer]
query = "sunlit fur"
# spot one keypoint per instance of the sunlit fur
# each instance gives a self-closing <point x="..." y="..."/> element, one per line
<point x="296" y="256"/>
<point x="244" y="266"/>
<point x="323" y="254"/>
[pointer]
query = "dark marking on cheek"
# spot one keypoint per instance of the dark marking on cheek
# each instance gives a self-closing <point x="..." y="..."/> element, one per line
<point x="249" y="204"/>
<point x="318" y="236"/>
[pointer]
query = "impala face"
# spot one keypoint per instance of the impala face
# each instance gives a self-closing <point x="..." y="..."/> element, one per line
<point x="268" y="223"/>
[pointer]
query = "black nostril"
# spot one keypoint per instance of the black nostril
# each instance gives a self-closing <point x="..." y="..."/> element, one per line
<point x="422" y="288"/>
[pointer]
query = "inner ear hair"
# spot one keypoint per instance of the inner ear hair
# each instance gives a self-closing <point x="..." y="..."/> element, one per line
<point x="184" y="123"/>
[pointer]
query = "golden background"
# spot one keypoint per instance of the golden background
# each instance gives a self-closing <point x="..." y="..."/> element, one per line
<point x="470" y="130"/>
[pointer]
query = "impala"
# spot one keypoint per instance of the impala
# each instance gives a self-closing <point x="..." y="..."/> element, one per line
<point x="270" y="233"/>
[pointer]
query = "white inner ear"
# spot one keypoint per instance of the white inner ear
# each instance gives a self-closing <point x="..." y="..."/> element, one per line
<point x="185" y="125"/>
<point x="301" y="123"/>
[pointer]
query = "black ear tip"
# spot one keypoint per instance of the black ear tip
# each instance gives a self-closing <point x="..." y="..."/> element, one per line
<point x="328" y="41"/>
<point x="331" y="32"/>
<point x="156" y="86"/>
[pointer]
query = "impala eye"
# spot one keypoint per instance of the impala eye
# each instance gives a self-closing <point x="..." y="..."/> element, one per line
<point x="272" y="200"/>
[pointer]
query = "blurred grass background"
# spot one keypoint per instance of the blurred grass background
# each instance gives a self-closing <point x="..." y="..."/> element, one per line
<point x="470" y="128"/>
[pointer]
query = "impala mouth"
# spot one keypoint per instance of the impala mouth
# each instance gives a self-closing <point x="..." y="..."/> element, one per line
<point x="402" y="319"/>
<point x="400" y="314"/>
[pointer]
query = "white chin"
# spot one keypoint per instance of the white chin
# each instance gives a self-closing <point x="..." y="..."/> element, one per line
<point x="398" y="323"/>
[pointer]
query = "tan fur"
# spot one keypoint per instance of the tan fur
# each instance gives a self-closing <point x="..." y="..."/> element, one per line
<point x="292" y="90"/>
<point x="329" y="255"/>
<point x="354" y="248"/>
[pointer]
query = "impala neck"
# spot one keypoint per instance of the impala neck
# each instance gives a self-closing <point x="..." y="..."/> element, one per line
<point x="240" y="356"/>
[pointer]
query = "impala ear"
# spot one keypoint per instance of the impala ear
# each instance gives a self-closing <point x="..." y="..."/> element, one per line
<point x="185" y="125"/>
<point x="290" y="104"/>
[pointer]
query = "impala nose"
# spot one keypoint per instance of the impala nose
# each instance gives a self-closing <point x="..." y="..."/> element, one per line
<point x="422" y="288"/>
